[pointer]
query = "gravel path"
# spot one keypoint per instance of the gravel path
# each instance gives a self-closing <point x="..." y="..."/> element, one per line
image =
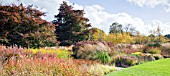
<point x="119" y="68"/>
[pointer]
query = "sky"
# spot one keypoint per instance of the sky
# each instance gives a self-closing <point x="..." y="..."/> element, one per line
<point x="144" y="15"/>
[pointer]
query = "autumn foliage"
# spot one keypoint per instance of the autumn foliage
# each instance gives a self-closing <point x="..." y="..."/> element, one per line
<point x="23" y="26"/>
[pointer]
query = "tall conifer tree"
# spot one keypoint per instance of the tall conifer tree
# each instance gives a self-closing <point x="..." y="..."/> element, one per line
<point x="70" y="25"/>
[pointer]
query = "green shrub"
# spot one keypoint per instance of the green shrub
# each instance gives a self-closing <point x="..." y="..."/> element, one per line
<point x="103" y="57"/>
<point x="154" y="45"/>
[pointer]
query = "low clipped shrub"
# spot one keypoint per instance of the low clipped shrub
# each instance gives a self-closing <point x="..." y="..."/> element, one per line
<point x="128" y="50"/>
<point x="99" y="70"/>
<point x="148" y="58"/>
<point x="64" y="54"/>
<point x="126" y="61"/>
<point x="151" y="50"/>
<point x="91" y="50"/>
<point x="137" y="54"/>
<point x="154" y="45"/>
<point x="157" y="56"/>
<point x="145" y="58"/>
<point x="165" y="50"/>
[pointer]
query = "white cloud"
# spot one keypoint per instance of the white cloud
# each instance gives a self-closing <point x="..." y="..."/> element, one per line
<point x="76" y="7"/>
<point x="101" y="19"/>
<point x="163" y="26"/>
<point x="167" y="7"/>
<point x="152" y="3"/>
<point x="48" y="6"/>
<point x="149" y="3"/>
<point x="98" y="17"/>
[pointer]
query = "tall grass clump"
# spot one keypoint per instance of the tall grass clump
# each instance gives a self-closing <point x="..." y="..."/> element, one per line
<point x="91" y="50"/>
<point x="18" y="62"/>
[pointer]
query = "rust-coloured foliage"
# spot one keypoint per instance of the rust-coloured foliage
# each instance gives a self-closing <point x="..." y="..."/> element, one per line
<point x="23" y="26"/>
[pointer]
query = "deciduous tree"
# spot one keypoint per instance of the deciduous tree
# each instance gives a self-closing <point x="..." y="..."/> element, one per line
<point x="23" y="26"/>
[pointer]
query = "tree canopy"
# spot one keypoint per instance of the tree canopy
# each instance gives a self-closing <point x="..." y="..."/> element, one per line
<point x="23" y="26"/>
<point x="96" y="34"/>
<point x="167" y="35"/>
<point x="116" y="28"/>
<point x="70" y="25"/>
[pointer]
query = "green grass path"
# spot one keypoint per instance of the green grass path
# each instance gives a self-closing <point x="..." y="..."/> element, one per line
<point x="155" y="68"/>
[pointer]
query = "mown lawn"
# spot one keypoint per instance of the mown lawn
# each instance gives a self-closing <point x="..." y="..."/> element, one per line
<point x="155" y="68"/>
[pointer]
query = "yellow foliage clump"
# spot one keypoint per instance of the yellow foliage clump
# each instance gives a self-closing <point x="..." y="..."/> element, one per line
<point x="120" y="38"/>
<point x="60" y="53"/>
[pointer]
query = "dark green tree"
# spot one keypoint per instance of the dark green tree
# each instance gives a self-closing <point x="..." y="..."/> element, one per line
<point x="167" y="36"/>
<point x="70" y="25"/>
<point x="23" y="26"/>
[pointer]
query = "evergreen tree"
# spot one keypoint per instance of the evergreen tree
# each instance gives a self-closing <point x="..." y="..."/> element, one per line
<point x="70" y="25"/>
<point x="167" y="36"/>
